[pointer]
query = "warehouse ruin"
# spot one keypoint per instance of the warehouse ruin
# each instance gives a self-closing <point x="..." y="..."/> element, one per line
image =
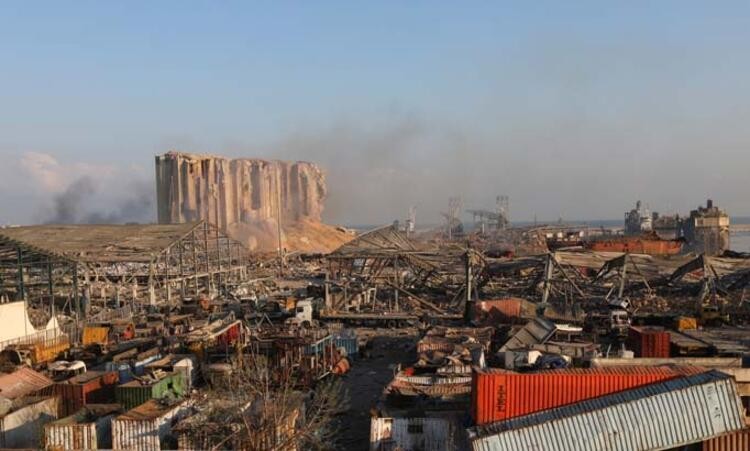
<point x="181" y="335"/>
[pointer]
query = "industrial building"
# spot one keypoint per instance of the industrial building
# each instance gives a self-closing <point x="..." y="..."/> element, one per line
<point x="707" y="230"/>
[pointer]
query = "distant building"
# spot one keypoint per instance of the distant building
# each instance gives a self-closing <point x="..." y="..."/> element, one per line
<point x="638" y="220"/>
<point x="707" y="230"/>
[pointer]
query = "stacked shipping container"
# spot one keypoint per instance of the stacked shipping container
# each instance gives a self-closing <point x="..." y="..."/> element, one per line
<point x="666" y="415"/>
<point x="89" y="428"/>
<point x="147" y="426"/>
<point x="135" y="393"/>
<point x="499" y="394"/>
<point x="93" y="387"/>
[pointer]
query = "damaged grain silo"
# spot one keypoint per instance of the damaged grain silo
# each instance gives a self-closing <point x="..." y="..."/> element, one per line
<point x="246" y="197"/>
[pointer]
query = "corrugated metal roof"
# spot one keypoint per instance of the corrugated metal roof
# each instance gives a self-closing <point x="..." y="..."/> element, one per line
<point x="105" y="242"/>
<point x="657" y="416"/>
<point x="22" y="382"/>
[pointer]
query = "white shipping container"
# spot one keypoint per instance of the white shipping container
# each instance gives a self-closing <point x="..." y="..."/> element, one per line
<point x="417" y="434"/>
<point x="23" y="427"/>
<point x="72" y="433"/>
<point x="657" y="416"/>
<point x="145" y="427"/>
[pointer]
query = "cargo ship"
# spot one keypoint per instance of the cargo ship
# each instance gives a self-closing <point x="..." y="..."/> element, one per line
<point x="648" y="243"/>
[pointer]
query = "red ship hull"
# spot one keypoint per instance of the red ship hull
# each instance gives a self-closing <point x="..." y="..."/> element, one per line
<point x="636" y="245"/>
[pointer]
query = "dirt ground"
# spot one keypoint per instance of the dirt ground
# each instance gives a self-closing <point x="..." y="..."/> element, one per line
<point x="366" y="380"/>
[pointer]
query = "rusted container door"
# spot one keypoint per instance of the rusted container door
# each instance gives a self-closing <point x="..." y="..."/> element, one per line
<point x="500" y="395"/>
<point x="99" y="390"/>
<point x="649" y="342"/>
<point x="70" y="436"/>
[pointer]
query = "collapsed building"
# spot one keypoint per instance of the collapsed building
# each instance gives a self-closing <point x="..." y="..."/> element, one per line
<point x="707" y="229"/>
<point x="253" y="200"/>
<point x="75" y="267"/>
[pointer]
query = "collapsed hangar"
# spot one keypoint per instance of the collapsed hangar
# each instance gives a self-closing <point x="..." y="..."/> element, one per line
<point x="81" y="265"/>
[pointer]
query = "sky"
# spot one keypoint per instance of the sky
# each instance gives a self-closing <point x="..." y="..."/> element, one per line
<point x="574" y="110"/>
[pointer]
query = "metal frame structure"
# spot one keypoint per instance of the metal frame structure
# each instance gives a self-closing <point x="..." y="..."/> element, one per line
<point x="130" y="264"/>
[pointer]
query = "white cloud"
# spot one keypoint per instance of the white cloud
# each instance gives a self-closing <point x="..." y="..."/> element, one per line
<point x="48" y="173"/>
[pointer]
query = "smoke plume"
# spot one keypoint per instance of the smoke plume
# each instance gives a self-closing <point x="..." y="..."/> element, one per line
<point x="83" y="202"/>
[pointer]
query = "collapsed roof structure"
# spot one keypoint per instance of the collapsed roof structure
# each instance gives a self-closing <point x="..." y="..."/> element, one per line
<point x="129" y="263"/>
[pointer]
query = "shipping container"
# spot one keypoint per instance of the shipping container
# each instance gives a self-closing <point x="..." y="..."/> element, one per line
<point x="36" y="353"/>
<point x="650" y="342"/>
<point x="148" y="426"/>
<point x="23" y="382"/>
<point x="491" y="312"/>
<point x="185" y="363"/>
<point x="93" y="387"/>
<point x="685" y="323"/>
<point x="23" y="425"/>
<point x="499" y="394"/>
<point x="417" y="434"/>
<point x="736" y="441"/>
<point x="94" y="335"/>
<point x="89" y="428"/>
<point x="135" y="393"/>
<point x="664" y="415"/>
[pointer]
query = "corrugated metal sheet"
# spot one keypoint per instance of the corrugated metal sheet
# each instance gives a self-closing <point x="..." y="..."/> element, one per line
<point x="79" y="431"/>
<point x="417" y="434"/>
<point x="23" y="382"/>
<point x="658" y="416"/>
<point x="736" y="441"/>
<point x="536" y="331"/>
<point x="146" y="426"/>
<point x="65" y="436"/>
<point x="499" y="395"/>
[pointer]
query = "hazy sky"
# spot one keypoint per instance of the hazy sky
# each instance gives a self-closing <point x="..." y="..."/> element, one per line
<point x="573" y="109"/>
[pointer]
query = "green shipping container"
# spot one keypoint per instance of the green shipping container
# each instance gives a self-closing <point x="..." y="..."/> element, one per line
<point x="133" y="393"/>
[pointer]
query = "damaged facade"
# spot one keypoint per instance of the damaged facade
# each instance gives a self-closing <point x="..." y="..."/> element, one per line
<point x="246" y="198"/>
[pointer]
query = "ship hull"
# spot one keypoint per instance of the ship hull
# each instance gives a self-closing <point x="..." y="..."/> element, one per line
<point x="636" y="245"/>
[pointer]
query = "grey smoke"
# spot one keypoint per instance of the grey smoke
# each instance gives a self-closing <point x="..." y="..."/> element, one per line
<point x="68" y="204"/>
<point x="81" y="201"/>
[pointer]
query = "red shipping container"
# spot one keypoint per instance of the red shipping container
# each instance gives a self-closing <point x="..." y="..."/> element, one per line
<point x="93" y="387"/>
<point x="649" y="342"/>
<point x="499" y="394"/>
<point x="735" y="441"/>
<point x="502" y="310"/>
